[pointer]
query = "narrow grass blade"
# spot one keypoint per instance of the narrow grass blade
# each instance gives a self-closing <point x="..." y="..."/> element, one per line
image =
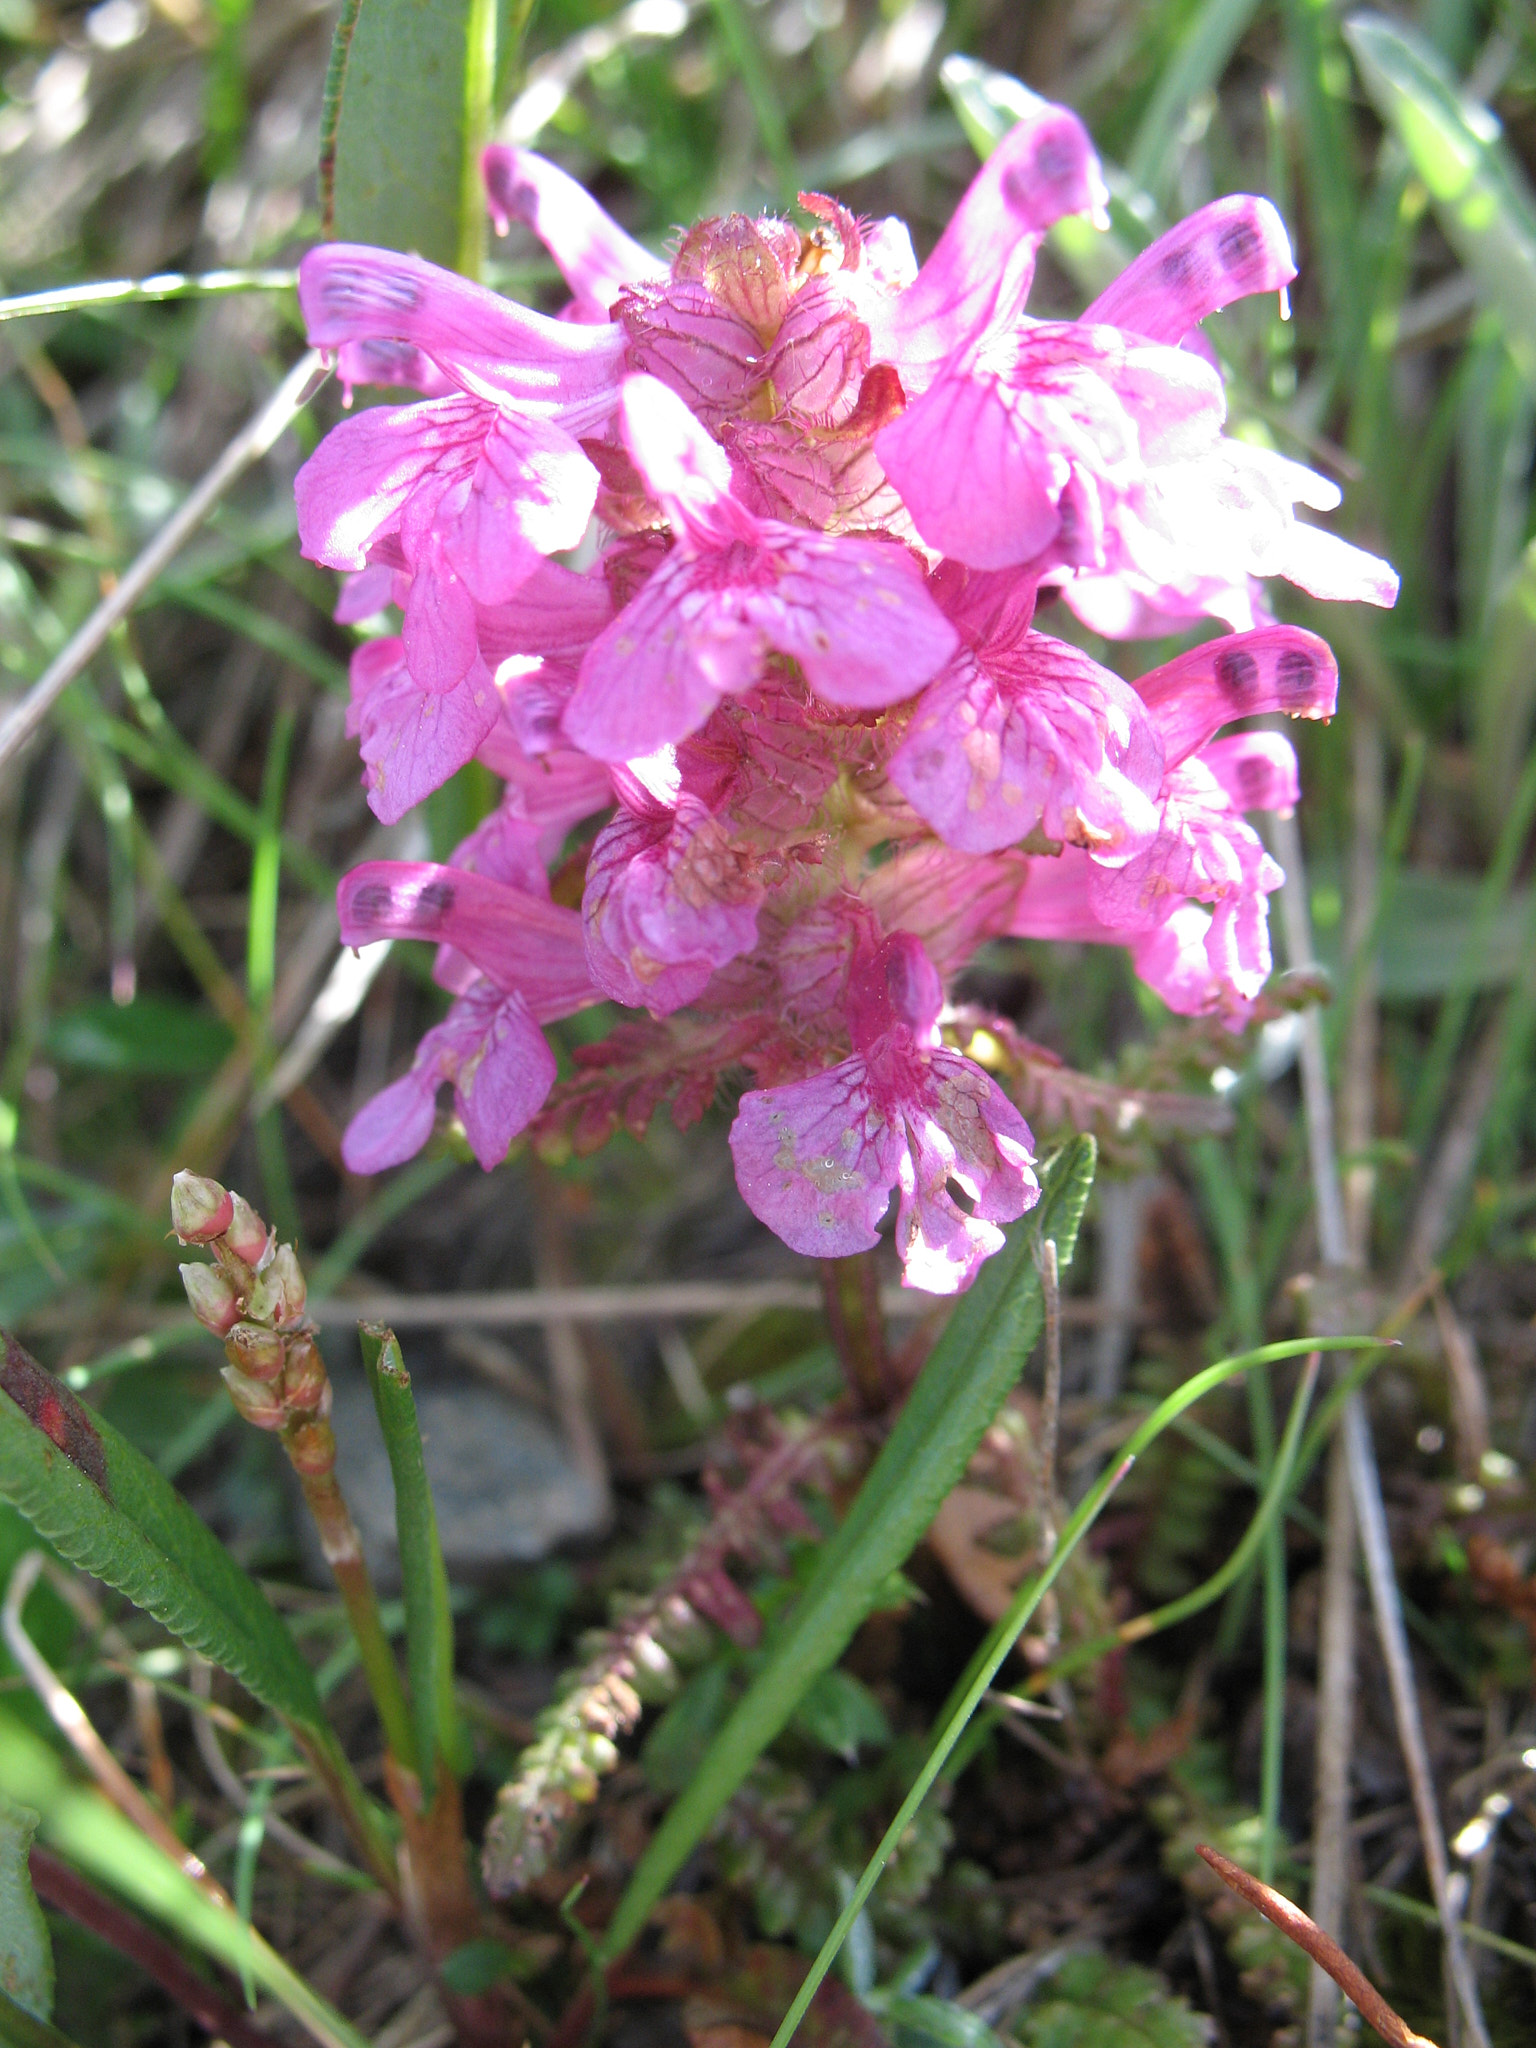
<point x="26" y="1954"/>
<point x="1481" y="198"/>
<point x="105" y="1508"/>
<point x="398" y="126"/>
<point x="988" y="1661"/>
<point x="1201" y="58"/>
<point x="423" y="1580"/>
<point x="104" y="1843"/>
<point x="972" y="1367"/>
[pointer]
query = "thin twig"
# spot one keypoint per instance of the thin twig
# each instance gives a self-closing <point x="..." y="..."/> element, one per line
<point x="665" y="1301"/>
<point x="73" y="1723"/>
<point x="248" y="446"/>
<point x="229" y="1782"/>
<point x="1322" y="1948"/>
<point x="1363" y="1472"/>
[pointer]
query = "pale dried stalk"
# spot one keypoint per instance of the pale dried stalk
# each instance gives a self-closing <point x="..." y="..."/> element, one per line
<point x="248" y="446"/>
<point x="1364" y="1479"/>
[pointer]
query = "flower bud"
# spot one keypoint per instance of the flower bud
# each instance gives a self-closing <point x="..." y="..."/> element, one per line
<point x="256" y="1352"/>
<point x="278" y="1295"/>
<point x="200" y="1208"/>
<point x="214" y="1299"/>
<point x="304" y="1382"/>
<point x="257" y="1403"/>
<point x="312" y="1449"/>
<point x="247" y="1236"/>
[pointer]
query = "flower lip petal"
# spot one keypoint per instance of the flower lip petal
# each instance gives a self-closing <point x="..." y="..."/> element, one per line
<point x="1228" y="250"/>
<point x="595" y="256"/>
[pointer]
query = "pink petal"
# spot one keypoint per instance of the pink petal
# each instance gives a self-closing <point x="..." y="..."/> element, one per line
<point x="667" y="901"/>
<point x="962" y="1129"/>
<point x="413" y="739"/>
<point x="1043" y="168"/>
<point x="532" y="495"/>
<point x="520" y="941"/>
<point x="816" y="1160"/>
<point x="595" y="256"/>
<point x="438" y="623"/>
<point x="1044" y="739"/>
<point x="856" y="615"/>
<point x="394" y="1125"/>
<point x="363" y="595"/>
<point x="656" y="672"/>
<point x="687" y="471"/>
<point x="502" y="1085"/>
<point x="1257" y="770"/>
<point x="351" y="293"/>
<point x="1327" y="567"/>
<point x="995" y="508"/>
<point x="554" y="611"/>
<point x="1275" y="668"/>
<point x="1229" y="249"/>
<point x="367" y="468"/>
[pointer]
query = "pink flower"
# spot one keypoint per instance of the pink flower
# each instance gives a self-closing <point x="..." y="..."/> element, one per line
<point x="519" y="940"/>
<point x="412" y="739"/>
<point x="1023" y="733"/>
<point x="596" y="258"/>
<point x="668" y="899"/>
<point x="472" y="497"/>
<point x="817" y="1160"/>
<point x="501" y="1070"/>
<point x="853" y="613"/>
<point x="1228" y="250"/>
<point x="532" y="969"/>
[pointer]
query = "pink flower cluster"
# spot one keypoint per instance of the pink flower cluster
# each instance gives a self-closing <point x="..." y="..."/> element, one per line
<point x="786" y="697"/>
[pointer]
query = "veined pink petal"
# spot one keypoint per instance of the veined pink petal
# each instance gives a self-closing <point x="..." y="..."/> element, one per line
<point x="816" y="1160"/>
<point x="856" y="615"/>
<point x="355" y="485"/>
<point x="657" y="671"/>
<point x="998" y="506"/>
<point x="667" y="901"/>
<point x="555" y="611"/>
<point x="518" y="941"/>
<point x="1229" y="249"/>
<point x="438" y="625"/>
<point x="493" y="1053"/>
<point x="532" y="495"/>
<point x="400" y="364"/>
<point x="1274" y="668"/>
<point x="351" y="293"/>
<point x="501" y="1086"/>
<point x="684" y="469"/>
<point x="594" y="255"/>
<point x="413" y="739"/>
<point x="1037" y="736"/>
<point x="982" y="268"/>
<point x="971" y="1135"/>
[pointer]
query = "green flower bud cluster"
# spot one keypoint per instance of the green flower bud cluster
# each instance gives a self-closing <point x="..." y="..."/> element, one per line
<point x="253" y="1296"/>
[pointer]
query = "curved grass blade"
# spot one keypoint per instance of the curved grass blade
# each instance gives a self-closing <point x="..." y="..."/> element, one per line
<point x="1202" y="56"/>
<point x="407" y="112"/>
<point x="971" y="1369"/>
<point x="423" y="1579"/>
<point x="106" y="1509"/>
<point x="988" y="1661"/>
<point x="99" y="1840"/>
<point x="1481" y="197"/>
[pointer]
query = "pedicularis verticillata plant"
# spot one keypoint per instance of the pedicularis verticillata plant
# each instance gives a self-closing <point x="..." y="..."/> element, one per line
<point x="821" y="494"/>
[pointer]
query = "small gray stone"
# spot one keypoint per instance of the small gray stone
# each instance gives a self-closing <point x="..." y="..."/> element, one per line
<point x="506" y="1487"/>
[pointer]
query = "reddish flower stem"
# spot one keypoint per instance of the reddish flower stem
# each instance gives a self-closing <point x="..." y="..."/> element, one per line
<point x="1322" y="1948"/>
